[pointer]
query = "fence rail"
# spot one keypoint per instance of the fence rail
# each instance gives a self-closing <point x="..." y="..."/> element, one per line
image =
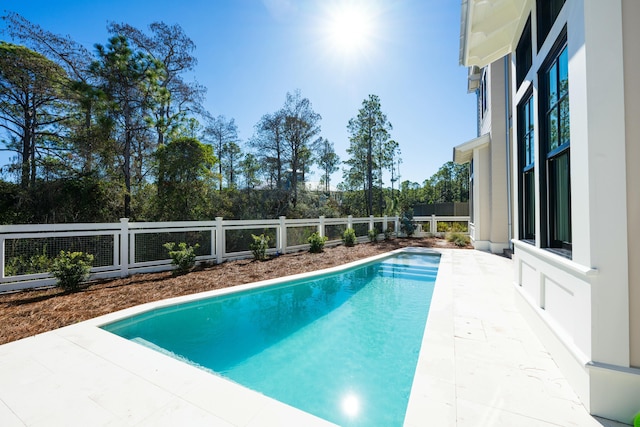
<point x="125" y="248"/>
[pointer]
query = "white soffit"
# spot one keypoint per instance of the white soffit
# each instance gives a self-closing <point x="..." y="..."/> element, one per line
<point x="463" y="153"/>
<point x="488" y="29"/>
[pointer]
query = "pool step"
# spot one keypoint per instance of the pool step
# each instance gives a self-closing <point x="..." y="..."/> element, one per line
<point x="407" y="272"/>
<point x="419" y="269"/>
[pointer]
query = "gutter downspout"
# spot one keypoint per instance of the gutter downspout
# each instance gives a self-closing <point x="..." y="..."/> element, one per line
<point x="507" y="122"/>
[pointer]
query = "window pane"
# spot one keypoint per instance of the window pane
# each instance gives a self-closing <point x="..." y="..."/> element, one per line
<point x="552" y="132"/>
<point x="564" y="121"/>
<point x="560" y="199"/>
<point x="523" y="54"/>
<point x="529" y="148"/>
<point x="529" y="201"/>
<point x="563" y="75"/>
<point x="548" y="11"/>
<point x="530" y="103"/>
<point x="552" y="84"/>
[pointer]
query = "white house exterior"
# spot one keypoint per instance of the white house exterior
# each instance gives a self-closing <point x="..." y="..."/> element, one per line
<point x="557" y="173"/>
<point x="489" y="213"/>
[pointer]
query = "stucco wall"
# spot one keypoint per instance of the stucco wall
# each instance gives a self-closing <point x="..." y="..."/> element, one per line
<point x="499" y="211"/>
<point x="631" y="34"/>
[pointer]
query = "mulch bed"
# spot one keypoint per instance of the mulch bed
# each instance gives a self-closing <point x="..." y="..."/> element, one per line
<point x="27" y="313"/>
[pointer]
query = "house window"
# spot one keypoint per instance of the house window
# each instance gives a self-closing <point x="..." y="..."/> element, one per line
<point x="527" y="166"/>
<point x="547" y="12"/>
<point x="555" y="148"/>
<point x="523" y="54"/>
<point x="483" y="94"/>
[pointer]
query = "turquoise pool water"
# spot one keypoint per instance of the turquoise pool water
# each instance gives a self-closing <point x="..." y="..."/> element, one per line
<point x="341" y="346"/>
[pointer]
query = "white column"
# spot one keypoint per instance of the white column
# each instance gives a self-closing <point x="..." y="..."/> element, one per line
<point x="598" y="173"/>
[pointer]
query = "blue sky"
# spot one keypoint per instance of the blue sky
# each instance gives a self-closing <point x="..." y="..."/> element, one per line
<point x="252" y="52"/>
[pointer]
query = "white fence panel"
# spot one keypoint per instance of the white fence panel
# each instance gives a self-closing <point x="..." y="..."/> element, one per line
<point x="128" y="247"/>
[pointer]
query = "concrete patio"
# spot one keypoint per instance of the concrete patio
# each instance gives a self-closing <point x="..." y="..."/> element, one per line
<point x="480" y="365"/>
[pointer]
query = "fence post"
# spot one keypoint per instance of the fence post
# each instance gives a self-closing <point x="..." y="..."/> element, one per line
<point x="219" y="236"/>
<point x="350" y="221"/>
<point x="396" y="225"/>
<point x="124" y="247"/>
<point x="370" y="222"/>
<point x="2" y="250"/>
<point x="384" y="224"/>
<point x="434" y="225"/>
<point x="321" y="226"/>
<point x="282" y="244"/>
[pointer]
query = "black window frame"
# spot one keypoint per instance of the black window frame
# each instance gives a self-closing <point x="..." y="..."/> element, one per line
<point x="547" y="12"/>
<point x="555" y="172"/>
<point x="526" y="163"/>
<point x="524" y="53"/>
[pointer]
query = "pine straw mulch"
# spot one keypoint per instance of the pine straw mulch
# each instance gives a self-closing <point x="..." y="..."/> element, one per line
<point x="27" y="313"/>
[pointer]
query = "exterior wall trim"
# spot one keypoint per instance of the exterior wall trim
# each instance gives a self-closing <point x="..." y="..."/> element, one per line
<point x="556" y="261"/>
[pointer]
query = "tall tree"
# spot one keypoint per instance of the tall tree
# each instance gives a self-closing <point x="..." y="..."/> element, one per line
<point x="171" y="47"/>
<point x="220" y="132"/>
<point x="409" y="195"/>
<point x="369" y="134"/>
<point x="184" y="177"/>
<point x="301" y="125"/>
<point x="230" y="160"/>
<point x="449" y="184"/>
<point x="129" y="80"/>
<point x="395" y="176"/>
<point x="31" y="94"/>
<point x="327" y="160"/>
<point x="270" y="144"/>
<point x="384" y="158"/>
<point x="249" y="168"/>
<point x="87" y="130"/>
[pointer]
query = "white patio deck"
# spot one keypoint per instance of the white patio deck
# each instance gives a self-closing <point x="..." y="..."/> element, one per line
<point x="480" y="365"/>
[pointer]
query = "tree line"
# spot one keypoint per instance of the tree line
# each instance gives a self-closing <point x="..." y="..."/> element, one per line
<point x="122" y="132"/>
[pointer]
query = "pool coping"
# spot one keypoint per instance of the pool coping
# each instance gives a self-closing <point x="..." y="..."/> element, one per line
<point x="479" y="363"/>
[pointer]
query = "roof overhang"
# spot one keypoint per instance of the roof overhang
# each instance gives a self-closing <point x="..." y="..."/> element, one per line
<point x="463" y="153"/>
<point x="488" y="29"/>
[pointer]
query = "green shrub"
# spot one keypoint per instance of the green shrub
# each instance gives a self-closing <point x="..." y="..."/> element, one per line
<point x="70" y="269"/>
<point x="259" y="246"/>
<point x="458" y="239"/>
<point x="453" y="226"/>
<point x="317" y="242"/>
<point x="388" y="233"/>
<point x="183" y="256"/>
<point x="407" y="225"/>
<point x="349" y="237"/>
<point x="19" y="265"/>
<point x="373" y="235"/>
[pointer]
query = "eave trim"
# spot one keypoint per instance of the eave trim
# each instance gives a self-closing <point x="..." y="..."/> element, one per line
<point x="463" y="153"/>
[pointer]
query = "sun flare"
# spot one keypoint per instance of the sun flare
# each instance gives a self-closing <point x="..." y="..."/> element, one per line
<point x="351" y="405"/>
<point x="350" y="27"/>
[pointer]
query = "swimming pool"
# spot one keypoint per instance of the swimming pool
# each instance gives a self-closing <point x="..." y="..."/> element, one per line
<point x="341" y="346"/>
